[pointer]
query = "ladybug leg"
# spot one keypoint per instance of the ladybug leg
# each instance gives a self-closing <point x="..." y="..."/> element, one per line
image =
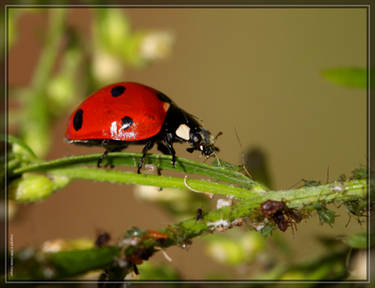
<point x="163" y="149"/>
<point x="101" y="158"/>
<point x="173" y="153"/>
<point x="108" y="150"/>
<point x="147" y="147"/>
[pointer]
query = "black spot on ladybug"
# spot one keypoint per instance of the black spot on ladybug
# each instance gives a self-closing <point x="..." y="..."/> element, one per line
<point x="163" y="97"/>
<point x="77" y="120"/>
<point x="117" y="91"/>
<point x="126" y="122"/>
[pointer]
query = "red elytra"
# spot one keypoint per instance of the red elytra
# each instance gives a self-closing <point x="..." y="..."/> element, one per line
<point x="102" y="113"/>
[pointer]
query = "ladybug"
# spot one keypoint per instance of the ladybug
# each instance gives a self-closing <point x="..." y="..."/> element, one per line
<point x="128" y="113"/>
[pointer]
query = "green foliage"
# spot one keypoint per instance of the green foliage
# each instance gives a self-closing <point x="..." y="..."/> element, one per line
<point x="267" y="230"/>
<point x="111" y="30"/>
<point x="34" y="187"/>
<point x="357" y="207"/>
<point x="331" y="267"/>
<point x="359" y="173"/>
<point x="12" y="29"/>
<point x="38" y="265"/>
<point x="34" y="180"/>
<point x="345" y="76"/>
<point x="359" y="241"/>
<point x="238" y="248"/>
<point x="150" y="271"/>
<point x="22" y="150"/>
<point x="36" y="124"/>
<point x="66" y="167"/>
<point x="62" y="89"/>
<point x="79" y="261"/>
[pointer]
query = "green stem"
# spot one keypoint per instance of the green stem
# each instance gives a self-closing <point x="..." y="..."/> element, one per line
<point x="160" y="161"/>
<point x="74" y="262"/>
<point x="154" y="180"/>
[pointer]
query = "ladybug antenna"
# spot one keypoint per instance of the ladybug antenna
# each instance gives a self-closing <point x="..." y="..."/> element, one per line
<point x="217" y="135"/>
<point x="242" y="155"/>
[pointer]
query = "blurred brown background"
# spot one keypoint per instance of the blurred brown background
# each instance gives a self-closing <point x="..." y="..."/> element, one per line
<point x="254" y="70"/>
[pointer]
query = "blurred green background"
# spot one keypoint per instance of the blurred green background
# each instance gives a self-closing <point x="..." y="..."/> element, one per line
<point x="259" y="72"/>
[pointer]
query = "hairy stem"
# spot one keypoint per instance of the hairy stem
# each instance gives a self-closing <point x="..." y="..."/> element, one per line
<point x="160" y="161"/>
<point x="141" y="247"/>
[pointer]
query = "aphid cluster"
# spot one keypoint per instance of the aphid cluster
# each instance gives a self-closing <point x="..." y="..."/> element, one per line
<point x="135" y="238"/>
<point x="279" y="212"/>
<point x="134" y="251"/>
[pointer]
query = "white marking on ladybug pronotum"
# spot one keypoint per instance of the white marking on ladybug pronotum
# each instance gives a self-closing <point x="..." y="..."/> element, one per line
<point x="183" y="131"/>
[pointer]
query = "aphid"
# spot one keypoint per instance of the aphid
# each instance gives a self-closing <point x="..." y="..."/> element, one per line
<point x="102" y="239"/>
<point x="325" y="215"/>
<point x="139" y="255"/>
<point x="237" y="222"/>
<point x="270" y="207"/>
<point x="342" y="178"/>
<point x="199" y="215"/>
<point x="280" y="220"/>
<point x="156" y="235"/>
<point x="282" y="215"/>
<point x="308" y="183"/>
<point x="128" y="113"/>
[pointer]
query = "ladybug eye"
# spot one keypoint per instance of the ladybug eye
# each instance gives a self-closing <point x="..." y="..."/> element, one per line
<point x="196" y="138"/>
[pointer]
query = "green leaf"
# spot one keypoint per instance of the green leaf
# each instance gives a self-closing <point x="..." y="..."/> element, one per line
<point x="347" y="76"/>
<point x="79" y="261"/>
<point x="111" y="30"/>
<point x="360" y="173"/>
<point x="359" y="240"/>
<point x="25" y="149"/>
<point x="149" y="271"/>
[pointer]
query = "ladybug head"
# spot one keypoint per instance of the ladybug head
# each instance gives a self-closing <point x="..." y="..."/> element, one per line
<point x="202" y="140"/>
